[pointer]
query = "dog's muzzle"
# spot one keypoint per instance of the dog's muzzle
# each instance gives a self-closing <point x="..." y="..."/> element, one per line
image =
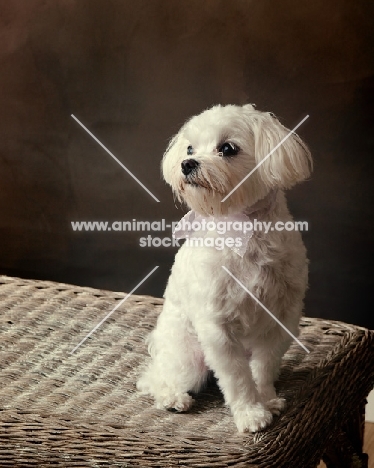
<point x="189" y="165"/>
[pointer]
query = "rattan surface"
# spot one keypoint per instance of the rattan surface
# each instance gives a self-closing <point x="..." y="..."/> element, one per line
<point x="83" y="409"/>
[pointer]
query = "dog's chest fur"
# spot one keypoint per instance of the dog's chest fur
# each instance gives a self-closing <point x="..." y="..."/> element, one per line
<point x="205" y="291"/>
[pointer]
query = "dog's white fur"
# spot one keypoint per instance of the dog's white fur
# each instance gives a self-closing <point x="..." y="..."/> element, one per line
<point x="208" y="321"/>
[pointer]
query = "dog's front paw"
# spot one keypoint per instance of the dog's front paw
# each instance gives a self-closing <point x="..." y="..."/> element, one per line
<point x="177" y="401"/>
<point x="252" y="418"/>
<point x="276" y="405"/>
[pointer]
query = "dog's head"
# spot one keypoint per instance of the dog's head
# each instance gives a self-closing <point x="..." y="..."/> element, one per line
<point x="214" y="151"/>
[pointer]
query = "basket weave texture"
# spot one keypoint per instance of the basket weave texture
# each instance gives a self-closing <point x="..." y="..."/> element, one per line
<point x="83" y="410"/>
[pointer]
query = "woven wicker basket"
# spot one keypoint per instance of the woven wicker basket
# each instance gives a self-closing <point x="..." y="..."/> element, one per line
<point x="82" y="409"/>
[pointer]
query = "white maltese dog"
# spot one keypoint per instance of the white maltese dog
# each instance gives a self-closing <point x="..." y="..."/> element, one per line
<point x="209" y="322"/>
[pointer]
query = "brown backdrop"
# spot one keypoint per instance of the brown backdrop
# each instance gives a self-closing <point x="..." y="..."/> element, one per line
<point x="133" y="71"/>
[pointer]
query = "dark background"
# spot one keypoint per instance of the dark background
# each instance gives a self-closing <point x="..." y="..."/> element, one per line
<point x="133" y="72"/>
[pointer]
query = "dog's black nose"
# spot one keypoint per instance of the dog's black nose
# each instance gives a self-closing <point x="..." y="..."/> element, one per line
<point x="188" y="165"/>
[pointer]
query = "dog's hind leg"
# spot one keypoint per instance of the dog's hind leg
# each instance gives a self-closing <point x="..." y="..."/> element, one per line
<point x="177" y="365"/>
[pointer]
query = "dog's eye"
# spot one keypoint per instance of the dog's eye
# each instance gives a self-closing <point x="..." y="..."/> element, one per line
<point x="229" y="149"/>
<point x="189" y="150"/>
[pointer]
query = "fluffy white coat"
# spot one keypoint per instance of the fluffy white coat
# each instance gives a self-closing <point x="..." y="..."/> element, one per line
<point x="208" y="321"/>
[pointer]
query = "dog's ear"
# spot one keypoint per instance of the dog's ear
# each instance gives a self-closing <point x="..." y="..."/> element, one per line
<point x="290" y="163"/>
<point x="173" y="156"/>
